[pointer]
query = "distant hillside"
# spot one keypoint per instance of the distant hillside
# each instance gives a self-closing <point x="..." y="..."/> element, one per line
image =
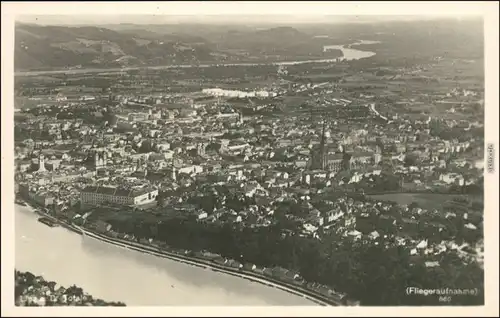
<point x="39" y="47"/>
<point x="275" y="37"/>
<point x="50" y="47"/>
<point x="281" y="33"/>
<point x="285" y="41"/>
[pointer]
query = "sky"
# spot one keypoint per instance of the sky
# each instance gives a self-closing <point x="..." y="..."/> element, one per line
<point x="149" y="12"/>
<point x="159" y="19"/>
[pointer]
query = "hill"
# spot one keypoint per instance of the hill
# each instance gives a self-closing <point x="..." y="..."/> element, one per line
<point x="38" y="47"/>
<point x="283" y="41"/>
<point x="55" y="47"/>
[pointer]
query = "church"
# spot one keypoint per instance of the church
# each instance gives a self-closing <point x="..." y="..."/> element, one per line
<point x="329" y="157"/>
<point x="97" y="159"/>
<point x="335" y="158"/>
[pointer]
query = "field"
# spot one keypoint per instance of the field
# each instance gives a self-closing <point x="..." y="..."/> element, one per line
<point x="25" y="102"/>
<point x="294" y="101"/>
<point x="35" y="79"/>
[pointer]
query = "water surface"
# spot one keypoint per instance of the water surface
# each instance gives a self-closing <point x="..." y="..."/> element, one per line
<point x="116" y="274"/>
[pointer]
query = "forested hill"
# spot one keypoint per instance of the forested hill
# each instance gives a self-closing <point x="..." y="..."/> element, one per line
<point x="38" y="47"/>
<point x="55" y="47"/>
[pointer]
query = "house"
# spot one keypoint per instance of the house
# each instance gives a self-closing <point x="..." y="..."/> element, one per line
<point x="354" y="234"/>
<point x="38" y="196"/>
<point x="102" y="226"/>
<point x="249" y="267"/>
<point x="200" y="214"/>
<point x="432" y="264"/>
<point x="267" y="271"/>
<point x="233" y="263"/>
<point x="452" y="178"/>
<point x="422" y="244"/>
<point x="97" y="195"/>
<point x="309" y="228"/>
<point x="194" y="169"/>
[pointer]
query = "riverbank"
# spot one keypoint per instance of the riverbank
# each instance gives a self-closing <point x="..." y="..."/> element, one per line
<point x="310" y="295"/>
<point x="318" y="299"/>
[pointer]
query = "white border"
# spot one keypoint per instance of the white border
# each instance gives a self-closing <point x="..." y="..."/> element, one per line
<point x="489" y="10"/>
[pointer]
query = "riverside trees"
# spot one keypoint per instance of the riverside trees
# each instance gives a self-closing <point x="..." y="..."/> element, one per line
<point x="375" y="274"/>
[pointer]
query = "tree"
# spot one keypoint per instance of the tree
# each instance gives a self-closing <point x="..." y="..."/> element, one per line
<point x="410" y="160"/>
<point x="373" y="274"/>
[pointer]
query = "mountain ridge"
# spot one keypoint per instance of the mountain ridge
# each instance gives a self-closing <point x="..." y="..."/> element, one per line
<point x="48" y="47"/>
<point x="61" y="46"/>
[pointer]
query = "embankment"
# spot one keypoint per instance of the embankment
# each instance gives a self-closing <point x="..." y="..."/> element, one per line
<point x="207" y="264"/>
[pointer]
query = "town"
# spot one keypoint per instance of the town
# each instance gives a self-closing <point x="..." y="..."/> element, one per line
<point x="33" y="290"/>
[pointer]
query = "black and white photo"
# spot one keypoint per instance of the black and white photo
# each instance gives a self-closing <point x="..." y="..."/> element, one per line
<point x="249" y="160"/>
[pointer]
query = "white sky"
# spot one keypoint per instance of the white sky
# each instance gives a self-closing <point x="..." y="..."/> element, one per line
<point x="243" y="12"/>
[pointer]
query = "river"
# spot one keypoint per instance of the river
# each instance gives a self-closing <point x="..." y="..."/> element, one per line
<point x="116" y="274"/>
<point x="347" y="50"/>
<point x="350" y="53"/>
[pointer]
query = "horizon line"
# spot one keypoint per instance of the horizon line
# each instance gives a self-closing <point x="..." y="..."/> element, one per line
<point x="231" y="19"/>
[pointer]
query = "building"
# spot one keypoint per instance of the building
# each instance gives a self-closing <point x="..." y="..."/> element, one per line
<point x="201" y="149"/>
<point x="399" y="147"/>
<point x="452" y="178"/>
<point x="377" y="156"/>
<point x="41" y="163"/>
<point x="138" y="117"/>
<point x="33" y="195"/>
<point x="362" y="160"/>
<point x="61" y="98"/>
<point x="98" y="159"/>
<point x="318" y="155"/>
<point x="325" y="157"/>
<point x="24" y="165"/>
<point x="64" y="176"/>
<point x="92" y="196"/>
<point x="331" y="161"/>
<point x="52" y="165"/>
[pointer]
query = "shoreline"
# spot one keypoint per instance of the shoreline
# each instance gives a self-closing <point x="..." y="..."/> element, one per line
<point x="310" y="295"/>
<point x="30" y="295"/>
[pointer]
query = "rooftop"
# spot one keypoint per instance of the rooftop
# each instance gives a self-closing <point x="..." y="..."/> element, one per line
<point x="116" y="191"/>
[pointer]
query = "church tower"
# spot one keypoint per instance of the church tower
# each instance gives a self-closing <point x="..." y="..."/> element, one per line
<point x="173" y="170"/>
<point x="377" y="157"/>
<point x="201" y="149"/>
<point x="322" y="150"/>
<point x="96" y="159"/>
<point x="174" y="173"/>
<point x="138" y="165"/>
<point x="41" y="163"/>
<point x="100" y="159"/>
<point x="319" y="158"/>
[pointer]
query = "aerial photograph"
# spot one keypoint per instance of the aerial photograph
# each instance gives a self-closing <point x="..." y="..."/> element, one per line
<point x="215" y="161"/>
